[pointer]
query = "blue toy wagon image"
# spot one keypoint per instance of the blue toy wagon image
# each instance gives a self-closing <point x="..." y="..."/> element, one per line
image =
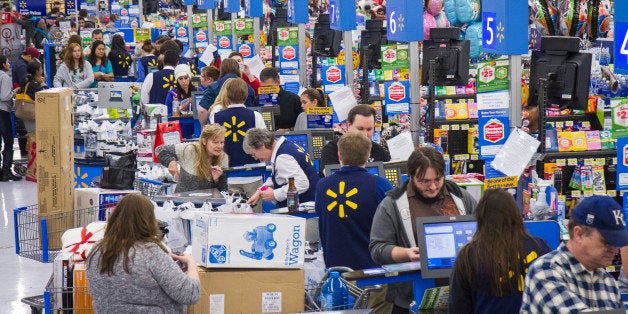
<point x="263" y="242"/>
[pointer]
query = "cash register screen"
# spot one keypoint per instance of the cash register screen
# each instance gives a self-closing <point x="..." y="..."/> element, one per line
<point x="440" y="239"/>
<point x="299" y="139"/>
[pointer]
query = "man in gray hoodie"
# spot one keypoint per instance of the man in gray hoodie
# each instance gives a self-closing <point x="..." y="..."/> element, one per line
<point x="425" y="193"/>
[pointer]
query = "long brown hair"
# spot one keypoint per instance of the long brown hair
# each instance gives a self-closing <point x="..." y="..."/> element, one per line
<point x="498" y="244"/>
<point x="204" y="161"/>
<point x="69" y="60"/>
<point x="92" y="54"/>
<point x="132" y="222"/>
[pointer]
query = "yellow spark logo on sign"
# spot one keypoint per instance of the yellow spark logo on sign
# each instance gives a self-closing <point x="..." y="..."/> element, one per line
<point x="168" y="81"/>
<point x="79" y="179"/>
<point x="234" y="128"/>
<point x="347" y="202"/>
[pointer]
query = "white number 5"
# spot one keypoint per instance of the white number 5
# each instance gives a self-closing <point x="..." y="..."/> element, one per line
<point x="489" y="28"/>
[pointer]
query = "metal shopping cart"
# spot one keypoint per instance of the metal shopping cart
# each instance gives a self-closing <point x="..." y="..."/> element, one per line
<point x="149" y="187"/>
<point x="360" y="295"/>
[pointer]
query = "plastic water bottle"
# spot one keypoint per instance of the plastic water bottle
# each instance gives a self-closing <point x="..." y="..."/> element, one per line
<point x="334" y="294"/>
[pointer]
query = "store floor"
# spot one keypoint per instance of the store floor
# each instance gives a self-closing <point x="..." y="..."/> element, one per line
<point x="20" y="277"/>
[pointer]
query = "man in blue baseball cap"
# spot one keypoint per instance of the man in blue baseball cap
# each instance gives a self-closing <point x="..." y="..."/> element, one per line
<point x="573" y="278"/>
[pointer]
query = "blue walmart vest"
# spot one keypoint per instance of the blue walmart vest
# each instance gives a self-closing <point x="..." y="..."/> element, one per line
<point x="237" y="121"/>
<point x="163" y="82"/>
<point x="305" y="163"/>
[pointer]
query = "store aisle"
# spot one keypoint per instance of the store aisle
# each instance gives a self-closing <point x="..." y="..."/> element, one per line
<point x="20" y="277"/>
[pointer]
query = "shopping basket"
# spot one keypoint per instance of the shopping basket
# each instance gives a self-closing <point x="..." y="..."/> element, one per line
<point x="358" y="296"/>
<point x="149" y="187"/>
<point x="59" y="299"/>
<point x="39" y="237"/>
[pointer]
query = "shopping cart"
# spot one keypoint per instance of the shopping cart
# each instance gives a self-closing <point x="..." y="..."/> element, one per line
<point x="59" y="299"/>
<point x="39" y="237"/>
<point x="360" y="295"/>
<point x="149" y="187"/>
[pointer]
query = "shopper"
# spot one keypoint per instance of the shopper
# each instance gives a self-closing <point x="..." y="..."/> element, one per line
<point x="425" y="193"/>
<point x="209" y="74"/>
<point x="97" y="35"/>
<point x="131" y="271"/>
<point x="201" y="163"/>
<point x="148" y="62"/>
<point x="247" y="76"/>
<point x="573" y="278"/>
<point x="361" y="118"/>
<point x="101" y="66"/>
<point x="289" y="102"/>
<point x="221" y="102"/>
<point x="75" y="71"/>
<point x="345" y="205"/>
<point x="179" y="99"/>
<point x="489" y="271"/>
<point x="18" y="74"/>
<point x="237" y="119"/>
<point x="33" y="83"/>
<point x="120" y="58"/>
<point x="6" y="127"/>
<point x="229" y="68"/>
<point x="157" y="85"/>
<point x="287" y="160"/>
<point x="310" y="97"/>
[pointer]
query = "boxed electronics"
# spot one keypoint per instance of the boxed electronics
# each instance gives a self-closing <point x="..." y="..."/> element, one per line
<point x="55" y="159"/>
<point x="154" y="114"/>
<point x="94" y="204"/>
<point x="221" y="240"/>
<point x="250" y="291"/>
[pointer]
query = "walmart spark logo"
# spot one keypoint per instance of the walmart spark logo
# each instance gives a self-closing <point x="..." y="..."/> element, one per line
<point x="307" y="156"/>
<point x="338" y="199"/>
<point x="234" y="128"/>
<point x="153" y="62"/>
<point x="192" y="68"/>
<point x="168" y="82"/>
<point x="125" y="61"/>
<point x="79" y="179"/>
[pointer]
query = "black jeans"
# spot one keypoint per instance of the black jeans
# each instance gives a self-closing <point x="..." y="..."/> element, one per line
<point x="6" y="131"/>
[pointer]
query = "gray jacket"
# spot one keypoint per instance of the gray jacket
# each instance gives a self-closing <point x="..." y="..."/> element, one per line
<point x="63" y="78"/>
<point x="392" y="227"/>
<point x="6" y="92"/>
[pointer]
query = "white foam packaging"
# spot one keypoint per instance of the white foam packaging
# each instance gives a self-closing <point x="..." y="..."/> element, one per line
<point x="227" y="240"/>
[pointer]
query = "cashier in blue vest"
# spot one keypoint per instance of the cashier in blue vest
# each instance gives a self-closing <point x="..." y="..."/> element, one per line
<point x="287" y="159"/>
<point x="157" y="85"/>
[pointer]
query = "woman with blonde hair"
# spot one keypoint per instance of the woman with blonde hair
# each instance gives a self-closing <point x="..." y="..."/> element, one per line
<point x="199" y="165"/>
<point x="75" y="71"/>
<point x="131" y="271"/>
<point x="221" y="102"/>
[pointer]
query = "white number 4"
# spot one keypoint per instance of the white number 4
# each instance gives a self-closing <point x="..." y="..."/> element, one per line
<point x="624" y="50"/>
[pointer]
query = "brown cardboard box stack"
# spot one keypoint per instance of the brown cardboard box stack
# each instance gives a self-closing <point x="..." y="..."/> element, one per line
<point x="247" y="291"/>
<point x="55" y="160"/>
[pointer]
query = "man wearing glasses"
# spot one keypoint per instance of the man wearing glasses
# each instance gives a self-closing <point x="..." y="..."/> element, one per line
<point x="573" y="278"/>
<point x="426" y="193"/>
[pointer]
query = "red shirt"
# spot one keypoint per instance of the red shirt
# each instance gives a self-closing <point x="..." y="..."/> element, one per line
<point x="255" y="83"/>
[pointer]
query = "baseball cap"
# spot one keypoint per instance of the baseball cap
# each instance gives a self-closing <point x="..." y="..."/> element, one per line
<point x="32" y="51"/>
<point x="604" y="214"/>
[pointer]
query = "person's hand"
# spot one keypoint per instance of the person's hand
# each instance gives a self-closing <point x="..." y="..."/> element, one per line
<point x="254" y="199"/>
<point x="413" y="253"/>
<point x="187" y="260"/>
<point x="216" y="172"/>
<point x="268" y="194"/>
<point x="173" y="168"/>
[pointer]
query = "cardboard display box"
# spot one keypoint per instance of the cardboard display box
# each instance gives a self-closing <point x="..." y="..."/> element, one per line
<point x="93" y="204"/>
<point x="248" y="240"/>
<point x="250" y="291"/>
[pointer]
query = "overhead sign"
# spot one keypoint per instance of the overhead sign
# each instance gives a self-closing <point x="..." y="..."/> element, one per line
<point x="405" y="20"/>
<point x="342" y="16"/>
<point x="296" y="11"/>
<point x="621" y="41"/>
<point x="502" y="25"/>
<point x="253" y="8"/>
<point x="206" y="4"/>
<point x="232" y="6"/>
<point x="32" y="7"/>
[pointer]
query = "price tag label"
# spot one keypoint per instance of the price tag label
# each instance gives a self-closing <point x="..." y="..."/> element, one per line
<point x="589" y="162"/>
<point x="502" y="22"/>
<point x="600" y="161"/>
<point x="572" y="161"/>
<point x="464" y="127"/>
<point x="621" y="41"/>
<point x="455" y="127"/>
<point x="252" y="8"/>
<point x="561" y="162"/>
<point x="575" y="194"/>
<point x="611" y="193"/>
<point x="342" y="15"/>
<point x="403" y="22"/>
<point x="296" y="11"/>
<point x="445" y="127"/>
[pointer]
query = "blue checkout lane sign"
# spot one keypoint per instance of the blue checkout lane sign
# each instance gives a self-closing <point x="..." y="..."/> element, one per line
<point x="403" y="24"/>
<point x="206" y="4"/>
<point x="253" y="8"/>
<point x="621" y="42"/>
<point x="503" y="25"/>
<point x="296" y="11"/>
<point x="232" y="6"/>
<point x="342" y="16"/>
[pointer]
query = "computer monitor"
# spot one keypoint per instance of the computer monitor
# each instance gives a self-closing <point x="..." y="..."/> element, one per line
<point x="196" y="101"/>
<point x="395" y="171"/>
<point x="440" y="238"/>
<point x="301" y="138"/>
<point x="448" y="55"/>
<point x="320" y="138"/>
<point x="371" y="40"/>
<point x="326" y="41"/>
<point x="268" y="114"/>
<point x="196" y="81"/>
<point x="116" y="94"/>
<point x="376" y="168"/>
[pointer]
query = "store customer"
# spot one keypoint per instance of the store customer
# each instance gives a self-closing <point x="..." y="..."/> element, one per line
<point x="425" y="193"/>
<point x="179" y="99"/>
<point x="6" y="127"/>
<point x="101" y="66"/>
<point x="75" y="71"/>
<point x="120" y="58"/>
<point x="247" y="76"/>
<point x="201" y="163"/>
<point x="33" y="83"/>
<point x="131" y="271"/>
<point x="489" y="271"/>
<point x="310" y="97"/>
<point x="287" y="160"/>
<point x="209" y="74"/>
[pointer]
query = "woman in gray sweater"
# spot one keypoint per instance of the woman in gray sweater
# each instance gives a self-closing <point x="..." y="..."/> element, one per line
<point x="201" y="163"/>
<point x="131" y="271"/>
<point x="75" y="71"/>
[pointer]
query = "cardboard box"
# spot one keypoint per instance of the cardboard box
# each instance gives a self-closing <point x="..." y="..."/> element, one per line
<point x="82" y="301"/>
<point x="250" y="291"/>
<point x="93" y="204"/>
<point x="248" y="240"/>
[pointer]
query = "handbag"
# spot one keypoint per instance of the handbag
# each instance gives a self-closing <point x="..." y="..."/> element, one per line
<point x="119" y="171"/>
<point x="167" y="133"/>
<point x="24" y="105"/>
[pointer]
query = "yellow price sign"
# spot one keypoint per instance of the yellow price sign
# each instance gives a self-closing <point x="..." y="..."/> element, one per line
<point x="268" y="89"/>
<point x="319" y="110"/>
<point x="501" y="183"/>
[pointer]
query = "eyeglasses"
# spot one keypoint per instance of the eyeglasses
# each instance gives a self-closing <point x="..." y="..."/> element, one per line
<point x="428" y="182"/>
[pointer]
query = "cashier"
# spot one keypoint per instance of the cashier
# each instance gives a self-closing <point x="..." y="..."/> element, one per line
<point x="287" y="160"/>
<point x="199" y="165"/>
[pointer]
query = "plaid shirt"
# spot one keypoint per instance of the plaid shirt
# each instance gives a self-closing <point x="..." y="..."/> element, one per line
<point x="558" y="283"/>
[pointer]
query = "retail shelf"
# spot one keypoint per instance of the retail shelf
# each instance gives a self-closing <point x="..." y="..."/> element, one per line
<point x="463" y="121"/>
<point x="462" y="96"/>
<point x="579" y="154"/>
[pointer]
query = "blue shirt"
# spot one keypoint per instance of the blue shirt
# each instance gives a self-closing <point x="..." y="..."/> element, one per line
<point x="211" y="92"/>
<point x="104" y="68"/>
<point x="346" y="202"/>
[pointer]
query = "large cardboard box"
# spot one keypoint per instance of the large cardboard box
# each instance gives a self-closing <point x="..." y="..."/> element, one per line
<point x="250" y="291"/>
<point x="248" y="240"/>
<point x="93" y="204"/>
